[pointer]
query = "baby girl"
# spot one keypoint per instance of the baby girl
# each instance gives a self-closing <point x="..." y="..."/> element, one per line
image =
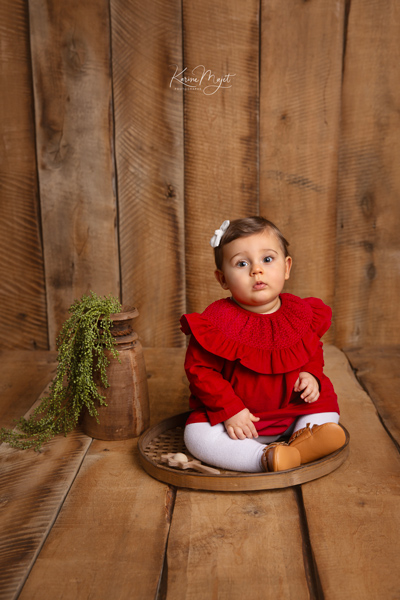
<point x="255" y="361"/>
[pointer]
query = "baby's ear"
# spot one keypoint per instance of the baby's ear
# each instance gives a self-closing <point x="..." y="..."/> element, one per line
<point x="288" y="266"/>
<point x="220" y="277"/>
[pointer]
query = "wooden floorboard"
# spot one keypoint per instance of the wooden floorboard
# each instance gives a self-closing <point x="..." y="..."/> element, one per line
<point x="110" y="538"/>
<point x="33" y="485"/>
<point x="378" y="371"/>
<point x="168" y="386"/>
<point x="235" y="545"/>
<point x="33" y="488"/>
<point x="88" y="522"/>
<point x="353" y="514"/>
<point x="24" y="374"/>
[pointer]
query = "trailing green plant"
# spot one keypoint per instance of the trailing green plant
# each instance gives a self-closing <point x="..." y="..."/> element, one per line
<point x="81" y="345"/>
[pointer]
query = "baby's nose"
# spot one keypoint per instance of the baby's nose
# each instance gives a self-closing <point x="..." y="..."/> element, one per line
<point x="257" y="268"/>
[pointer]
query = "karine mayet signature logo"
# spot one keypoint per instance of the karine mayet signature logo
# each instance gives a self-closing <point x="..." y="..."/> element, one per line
<point x="200" y="79"/>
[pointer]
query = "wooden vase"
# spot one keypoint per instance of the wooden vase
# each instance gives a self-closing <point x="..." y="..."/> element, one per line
<point x="127" y="412"/>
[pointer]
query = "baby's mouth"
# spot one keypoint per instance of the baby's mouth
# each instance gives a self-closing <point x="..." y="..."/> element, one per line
<point x="259" y="285"/>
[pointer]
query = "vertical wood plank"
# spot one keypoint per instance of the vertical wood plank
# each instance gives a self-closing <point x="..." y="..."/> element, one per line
<point x="377" y="369"/>
<point x="235" y="545"/>
<point x="221" y="40"/>
<point x="353" y="513"/>
<point x="34" y="486"/>
<point x="146" y="39"/>
<point x="368" y="282"/>
<point x="23" y="322"/>
<point x="72" y="84"/>
<point x="109" y="539"/>
<point x="300" y="82"/>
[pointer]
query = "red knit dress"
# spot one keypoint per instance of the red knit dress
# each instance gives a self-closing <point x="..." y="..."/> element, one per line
<point x="239" y="359"/>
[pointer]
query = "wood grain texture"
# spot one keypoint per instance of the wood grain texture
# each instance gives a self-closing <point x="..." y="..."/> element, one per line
<point x="229" y="545"/>
<point x="34" y="486"/>
<point x="221" y="136"/>
<point x="72" y="85"/>
<point x="378" y="371"/>
<point x="23" y="376"/>
<point x="300" y="84"/>
<point x="146" y="40"/>
<point x="368" y="282"/>
<point x="168" y="386"/>
<point x="110" y="537"/>
<point x="22" y="295"/>
<point x="353" y="515"/>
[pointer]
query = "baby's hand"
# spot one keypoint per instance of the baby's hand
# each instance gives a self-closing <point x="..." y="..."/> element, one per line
<point x="241" y="425"/>
<point x="307" y="384"/>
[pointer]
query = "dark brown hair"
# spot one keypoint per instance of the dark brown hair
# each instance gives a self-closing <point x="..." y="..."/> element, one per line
<point x="243" y="228"/>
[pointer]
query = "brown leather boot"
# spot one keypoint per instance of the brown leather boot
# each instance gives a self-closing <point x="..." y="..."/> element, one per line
<point x="278" y="456"/>
<point x="317" y="441"/>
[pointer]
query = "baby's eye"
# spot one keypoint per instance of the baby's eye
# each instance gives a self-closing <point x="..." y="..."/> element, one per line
<point x="267" y="259"/>
<point x="242" y="263"/>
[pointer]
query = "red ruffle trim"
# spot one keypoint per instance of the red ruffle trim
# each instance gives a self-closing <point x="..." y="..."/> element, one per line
<point x="276" y="343"/>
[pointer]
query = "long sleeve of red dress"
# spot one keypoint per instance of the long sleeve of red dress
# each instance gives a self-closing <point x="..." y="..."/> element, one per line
<point x="208" y="386"/>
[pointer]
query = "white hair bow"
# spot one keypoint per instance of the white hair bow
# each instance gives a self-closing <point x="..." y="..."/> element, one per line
<point x="218" y="233"/>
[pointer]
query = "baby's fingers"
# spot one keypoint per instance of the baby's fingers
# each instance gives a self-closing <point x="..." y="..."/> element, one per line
<point x="236" y="432"/>
<point x="240" y="435"/>
<point x="306" y="395"/>
<point x="252" y="431"/>
<point x="310" y="394"/>
<point x="231" y="432"/>
<point x="296" y="386"/>
<point x="312" y="398"/>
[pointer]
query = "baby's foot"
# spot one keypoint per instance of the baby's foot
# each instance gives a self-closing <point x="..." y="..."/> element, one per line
<point x="317" y="441"/>
<point x="279" y="456"/>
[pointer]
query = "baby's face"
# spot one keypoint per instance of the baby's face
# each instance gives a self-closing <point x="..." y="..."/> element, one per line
<point x="255" y="269"/>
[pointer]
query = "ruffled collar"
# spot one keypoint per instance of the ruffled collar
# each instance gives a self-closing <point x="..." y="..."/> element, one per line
<point x="271" y="343"/>
<point x="280" y="329"/>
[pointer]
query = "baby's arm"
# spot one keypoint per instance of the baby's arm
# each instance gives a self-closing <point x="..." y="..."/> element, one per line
<point x="210" y="390"/>
<point x="241" y="425"/>
<point x="308" y="385"/>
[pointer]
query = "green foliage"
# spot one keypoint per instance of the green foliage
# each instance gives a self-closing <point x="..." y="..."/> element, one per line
<point x="81" y="346"/>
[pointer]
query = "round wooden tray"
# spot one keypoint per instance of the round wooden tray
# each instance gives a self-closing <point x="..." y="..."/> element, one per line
<point x="167" y="437"/>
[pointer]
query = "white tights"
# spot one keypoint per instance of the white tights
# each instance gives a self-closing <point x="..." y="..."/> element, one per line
<point x="212" y="444"/>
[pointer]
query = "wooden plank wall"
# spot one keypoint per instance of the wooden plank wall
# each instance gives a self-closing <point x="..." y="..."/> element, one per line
<point x="72" y="85"/>
<point x="114" y="175"/>
<point x="299" y="125"/>
<point x="368" y="240"/>
<point x="146" y="39"/>
<point x="23" y="314"/>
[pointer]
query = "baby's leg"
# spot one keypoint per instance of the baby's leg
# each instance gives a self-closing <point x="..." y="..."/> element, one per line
<point x="212" y="445"/>
<point x="316" y="419"/>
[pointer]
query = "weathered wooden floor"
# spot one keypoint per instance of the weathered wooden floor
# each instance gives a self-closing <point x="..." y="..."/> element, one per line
<point x="82" y="519"/>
